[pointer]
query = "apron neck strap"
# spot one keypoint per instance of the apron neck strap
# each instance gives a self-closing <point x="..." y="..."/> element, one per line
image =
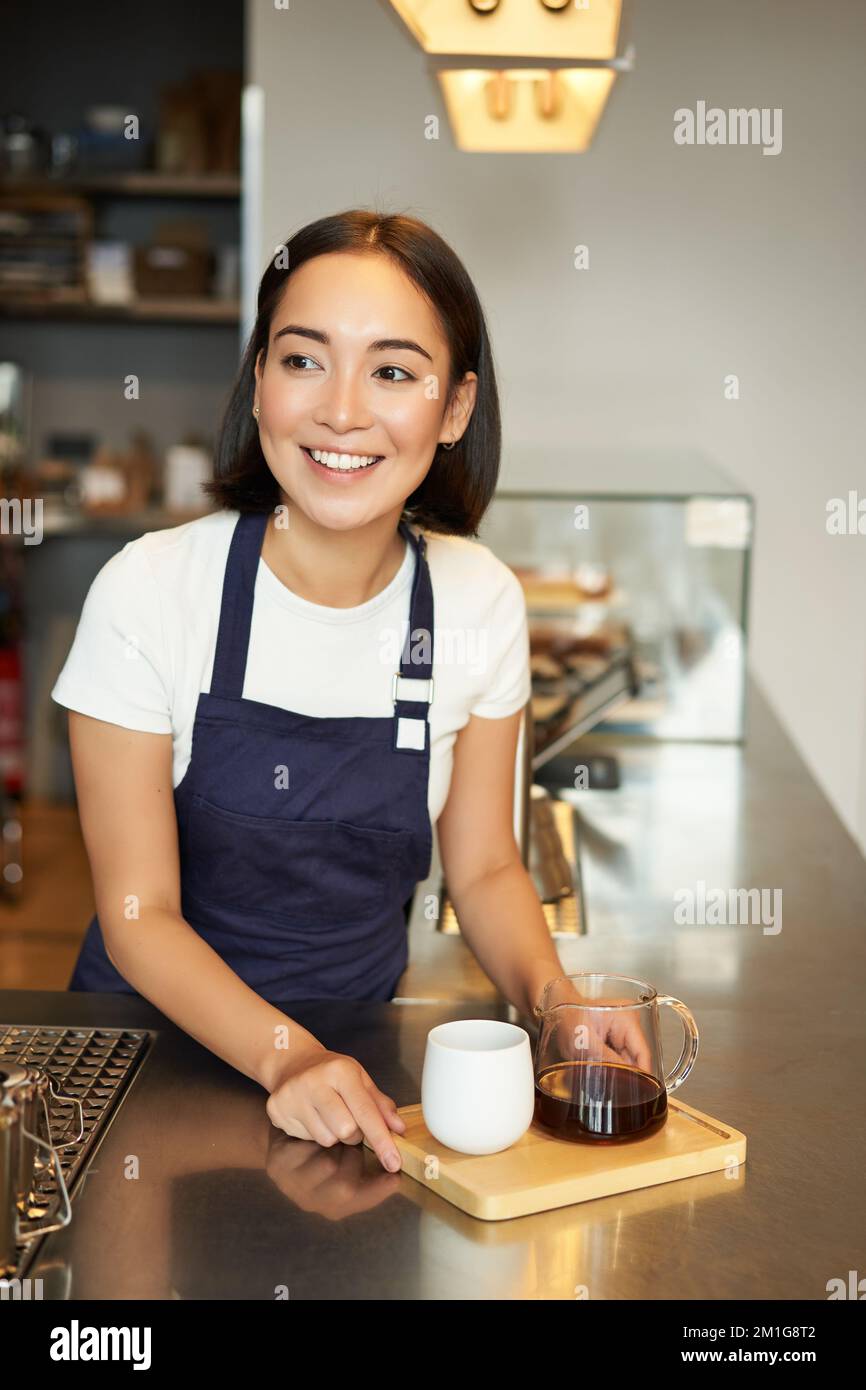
<point x="236" y="615"/>
<point x="412" y="683"/>
<point x="236" y="607"/>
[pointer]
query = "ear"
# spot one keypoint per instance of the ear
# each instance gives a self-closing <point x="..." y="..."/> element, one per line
<point x="459" y="413"/>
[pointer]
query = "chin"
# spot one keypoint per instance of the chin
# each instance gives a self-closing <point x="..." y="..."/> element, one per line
<point x="336" y="518"/>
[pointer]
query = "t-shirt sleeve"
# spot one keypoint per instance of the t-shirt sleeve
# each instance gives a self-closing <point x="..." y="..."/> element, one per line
<point x="117" y="668"/>
<point x="508" y="682"/>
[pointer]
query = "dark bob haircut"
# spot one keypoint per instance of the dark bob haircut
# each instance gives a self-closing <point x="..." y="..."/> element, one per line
<point x="461" y="481"/>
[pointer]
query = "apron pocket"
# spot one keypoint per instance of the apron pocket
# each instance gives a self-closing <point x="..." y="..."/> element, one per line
<point x="320" y="872"/>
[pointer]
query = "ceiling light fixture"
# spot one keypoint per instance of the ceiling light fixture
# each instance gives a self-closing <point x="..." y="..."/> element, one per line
<point x="521" y="75"/>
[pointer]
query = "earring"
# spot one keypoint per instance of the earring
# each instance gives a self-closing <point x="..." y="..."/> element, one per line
<point x="256" y="411"/>
<point x="451" y="445"/>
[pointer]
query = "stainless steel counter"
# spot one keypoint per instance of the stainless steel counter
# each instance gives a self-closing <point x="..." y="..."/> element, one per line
<point x="193" y="1194"/>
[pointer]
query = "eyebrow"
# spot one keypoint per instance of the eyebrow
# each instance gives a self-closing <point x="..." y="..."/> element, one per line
<point x="380" y="344"/>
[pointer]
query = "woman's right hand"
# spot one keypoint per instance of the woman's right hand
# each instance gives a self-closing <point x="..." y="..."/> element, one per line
<point x="330" y="1098"/>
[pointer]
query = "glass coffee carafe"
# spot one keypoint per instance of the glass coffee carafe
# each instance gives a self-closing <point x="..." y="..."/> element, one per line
<point x="599" y="1074"/>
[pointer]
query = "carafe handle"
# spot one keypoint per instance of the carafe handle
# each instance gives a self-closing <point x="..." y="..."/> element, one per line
<point x="686" y="1059"/>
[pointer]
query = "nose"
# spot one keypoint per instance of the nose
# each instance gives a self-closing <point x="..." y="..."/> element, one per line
<point x="343" y="404"/>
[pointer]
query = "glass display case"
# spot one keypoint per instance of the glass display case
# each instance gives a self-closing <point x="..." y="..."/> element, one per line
<point x="636" y="585"/>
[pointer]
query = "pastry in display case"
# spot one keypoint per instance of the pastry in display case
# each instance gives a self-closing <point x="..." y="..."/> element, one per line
<point x="635" y="581"/>
<point x="577" y="675"/>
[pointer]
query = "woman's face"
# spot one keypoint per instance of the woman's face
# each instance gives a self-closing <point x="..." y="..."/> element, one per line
<point x="356" y="364"/>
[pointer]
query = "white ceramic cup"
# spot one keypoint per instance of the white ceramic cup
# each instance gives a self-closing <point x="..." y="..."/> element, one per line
<point x="477" y="1086"/>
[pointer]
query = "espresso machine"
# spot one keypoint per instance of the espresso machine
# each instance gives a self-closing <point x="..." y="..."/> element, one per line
<point x="547" y="827"/>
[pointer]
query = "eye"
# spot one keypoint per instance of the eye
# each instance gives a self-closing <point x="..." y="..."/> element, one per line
<point x="407" y="376"/>
<point x="295" y="357"/>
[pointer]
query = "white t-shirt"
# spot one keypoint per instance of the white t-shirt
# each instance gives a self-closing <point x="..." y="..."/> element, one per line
<point x="145" y="642"/>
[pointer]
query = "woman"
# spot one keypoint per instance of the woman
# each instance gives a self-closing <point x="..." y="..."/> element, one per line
<point x="248" y="662"/>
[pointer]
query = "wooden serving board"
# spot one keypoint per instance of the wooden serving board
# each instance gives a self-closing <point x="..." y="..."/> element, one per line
<point x="539" y="1172"/>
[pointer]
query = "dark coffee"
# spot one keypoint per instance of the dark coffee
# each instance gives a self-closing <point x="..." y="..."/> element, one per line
<point x="599" y="1101"/>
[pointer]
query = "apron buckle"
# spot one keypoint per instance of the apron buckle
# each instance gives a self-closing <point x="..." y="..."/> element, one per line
<point x="401" y="694"/>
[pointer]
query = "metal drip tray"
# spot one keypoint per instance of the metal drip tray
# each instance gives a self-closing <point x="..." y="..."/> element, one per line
<point x="92" y="1065"/>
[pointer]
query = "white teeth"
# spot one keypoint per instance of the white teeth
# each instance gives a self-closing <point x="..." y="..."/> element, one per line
<point x="342" y="462"/>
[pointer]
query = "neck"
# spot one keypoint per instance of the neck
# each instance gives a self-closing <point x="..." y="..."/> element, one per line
<point x="335" y="569"/>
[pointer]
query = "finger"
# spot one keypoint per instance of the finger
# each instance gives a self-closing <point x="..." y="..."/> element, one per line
<point x="295" y="1129"/>
<point x="362" y="1101"/>
<point x="598" y="1050"/>
<point x="583" y="1042"/>
<point x="319" y="1130"/>
<point x="388" y="1107"/>
<point x="386" y="1103"/>
<point x="636" y="1048"/>
<point x="289" y="1123"/>
<point x="336" y="1115"/>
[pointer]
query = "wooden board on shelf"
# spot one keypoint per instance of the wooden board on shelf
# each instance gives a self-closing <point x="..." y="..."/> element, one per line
<point x="139" y="183"/>
<point x="164" y="310"/>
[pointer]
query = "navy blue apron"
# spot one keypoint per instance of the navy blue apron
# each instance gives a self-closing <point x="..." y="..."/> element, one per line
<point x="302" y="839"/>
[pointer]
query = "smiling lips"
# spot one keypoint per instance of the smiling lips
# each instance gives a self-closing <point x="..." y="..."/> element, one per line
<point x="342" y="463"/>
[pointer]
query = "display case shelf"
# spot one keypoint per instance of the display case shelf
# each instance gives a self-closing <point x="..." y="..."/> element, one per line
<point x="671" y="541"/>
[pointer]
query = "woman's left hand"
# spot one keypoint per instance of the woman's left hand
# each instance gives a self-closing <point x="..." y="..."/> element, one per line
<point x="602" y="1035"/>
<point x="625" y="1035"/>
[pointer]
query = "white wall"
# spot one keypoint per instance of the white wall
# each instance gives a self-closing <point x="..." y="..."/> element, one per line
<point x="703" y="261"/>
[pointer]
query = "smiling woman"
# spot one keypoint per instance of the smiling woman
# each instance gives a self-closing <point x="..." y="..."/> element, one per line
<point x="327" y="328"/>
<point x="246" y="659"/>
